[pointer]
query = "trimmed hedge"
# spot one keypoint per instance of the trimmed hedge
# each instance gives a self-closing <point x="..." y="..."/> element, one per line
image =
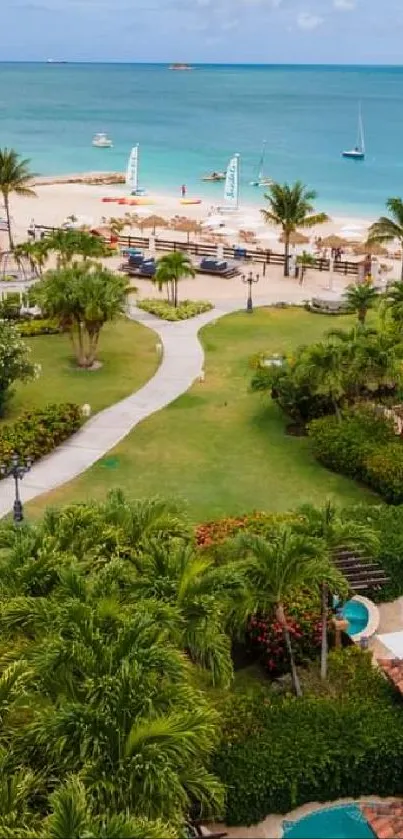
<point x="183" y="311"/>
<point x="280" y="753"/>
<point x="39" y="431"/>
<point x="31" y="327"/>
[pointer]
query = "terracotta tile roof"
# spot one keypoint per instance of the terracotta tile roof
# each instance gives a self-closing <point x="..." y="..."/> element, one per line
<point x="386" y="820"/>
<point x="393" y="669"/>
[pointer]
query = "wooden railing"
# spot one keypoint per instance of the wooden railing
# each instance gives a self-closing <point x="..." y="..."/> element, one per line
<point x="261" y="256"/>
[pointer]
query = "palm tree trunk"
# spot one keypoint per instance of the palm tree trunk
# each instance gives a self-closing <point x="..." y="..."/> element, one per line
<point x="175" y="283"/>
<point x="401" y="272"/>
<point x="286" y="256"/>
<point x="323" y="651"/>
<point x="362" y="314"/>
<point x="7" y="209"/>
<point x="294" y="674"/>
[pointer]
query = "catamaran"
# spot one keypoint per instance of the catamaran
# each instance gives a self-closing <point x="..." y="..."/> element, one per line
<point x="358" y="152"/>
<point x="132" y="172"/>
<point x="260" y="180"/>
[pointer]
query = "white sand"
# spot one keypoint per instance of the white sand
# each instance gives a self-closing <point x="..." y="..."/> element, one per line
<point x="57" y="201"/>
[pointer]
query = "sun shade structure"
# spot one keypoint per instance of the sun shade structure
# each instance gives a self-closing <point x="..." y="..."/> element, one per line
<point x="186" y="225"/>
<point x="361" y="573"/>
<point x="334" y="241"/>
<point x="296" y="238"/>
<point x="371" y="248"/>
<point x="153" y="222"/>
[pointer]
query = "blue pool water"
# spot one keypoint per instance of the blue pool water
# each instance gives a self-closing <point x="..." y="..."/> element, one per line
<point x="357" y="616"/>
<point x="343" y="822"/>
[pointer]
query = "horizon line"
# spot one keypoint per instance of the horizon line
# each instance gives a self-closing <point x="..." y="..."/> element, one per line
<point x="128" y="62"/>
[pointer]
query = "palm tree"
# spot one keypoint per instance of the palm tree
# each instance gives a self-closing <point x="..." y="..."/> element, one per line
<point x="360" y="297"/>
<point x="172" y="268"/>
<point x="36" y="252"/>
<point x="15" y="176"/>
<point x="290" y="207"/>
<point x="203" y="594"/>
<point x="322" y="364"/>
<point x="390" y="227"/>
<point x="82" y="297"/>
<point x="304" y="260"/>
<point x="393" y="303"/>
<point x="325" y="523"/>
<point x="279" y="567"/>
<point x="70" y="243"/>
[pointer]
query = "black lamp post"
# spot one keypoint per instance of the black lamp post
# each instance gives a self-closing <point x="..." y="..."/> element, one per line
<point x="250" y="279"/>
<point x="17" y="468"/>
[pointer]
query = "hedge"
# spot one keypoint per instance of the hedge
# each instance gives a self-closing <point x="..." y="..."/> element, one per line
<point x="31" y="327"/>
<point x="388" y="524"/>
<point x="39" y="431"/>
<point x="184" y="310"/>
<point x="280" y="753"/>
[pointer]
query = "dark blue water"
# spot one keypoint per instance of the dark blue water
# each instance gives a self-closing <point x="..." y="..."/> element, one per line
<point x="189" y="123"/>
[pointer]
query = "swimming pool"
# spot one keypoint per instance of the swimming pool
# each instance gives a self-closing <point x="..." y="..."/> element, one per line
<point x="344" y="821"/>
<point x="357" y="615"/>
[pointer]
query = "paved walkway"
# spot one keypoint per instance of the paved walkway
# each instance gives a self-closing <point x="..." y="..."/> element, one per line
<point x="181" y="365"/>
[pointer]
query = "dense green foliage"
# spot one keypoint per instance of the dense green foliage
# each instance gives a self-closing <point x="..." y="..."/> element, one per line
<point x="184" y="310"/>
<point x="277" y="754"/>
<point x="39" y="431"/>
<point x="388" y="228"/>
<point x="327" y="376"/>
<point x="345" y="445"/>
<point x="387" y="523"/>
<point x="15" y="363"/>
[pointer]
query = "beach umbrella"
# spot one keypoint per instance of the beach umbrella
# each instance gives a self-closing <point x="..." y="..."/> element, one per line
<point x="186" y="225"/>
<point x="296" y="238"/>
<point x="153" y="222"/>
<point x="334" y="241"/>
<point x="369" y="248"/>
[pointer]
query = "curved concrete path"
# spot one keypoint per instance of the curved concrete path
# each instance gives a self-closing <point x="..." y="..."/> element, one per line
<point x="181" y="365"/>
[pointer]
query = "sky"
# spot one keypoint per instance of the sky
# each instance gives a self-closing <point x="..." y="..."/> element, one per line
<point x="228" y="31"/>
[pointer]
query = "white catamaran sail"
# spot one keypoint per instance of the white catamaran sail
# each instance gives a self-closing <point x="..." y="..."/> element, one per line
<point x="231" y="189"/>
<point x="132" y="180"/>
<point x="260" y="179"/>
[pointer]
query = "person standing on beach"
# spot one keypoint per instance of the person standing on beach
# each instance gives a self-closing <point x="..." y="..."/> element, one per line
<point x="183" y="190"/>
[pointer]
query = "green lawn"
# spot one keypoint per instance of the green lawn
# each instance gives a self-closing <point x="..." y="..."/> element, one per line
<point x="128" y="355"/>
<point x="219" y="447"/>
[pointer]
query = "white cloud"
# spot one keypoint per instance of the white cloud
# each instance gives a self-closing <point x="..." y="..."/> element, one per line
<point x="307" y="21"/>
<point x="344" y="5"/>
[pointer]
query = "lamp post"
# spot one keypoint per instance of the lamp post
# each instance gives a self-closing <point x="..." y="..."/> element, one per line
<point x="16" y="469"/>
<point x="250" y="279"/>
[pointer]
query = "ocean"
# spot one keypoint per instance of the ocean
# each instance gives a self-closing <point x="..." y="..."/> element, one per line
<point x="190" y="123"/>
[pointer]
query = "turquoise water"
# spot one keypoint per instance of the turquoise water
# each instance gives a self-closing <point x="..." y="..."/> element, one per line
<point x="344" y="822"/>
<point x="190" y="123"/>
<point x="356" y="614"/>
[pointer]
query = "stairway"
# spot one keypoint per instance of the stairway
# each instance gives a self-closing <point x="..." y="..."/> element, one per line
<point x="361" y="572"/>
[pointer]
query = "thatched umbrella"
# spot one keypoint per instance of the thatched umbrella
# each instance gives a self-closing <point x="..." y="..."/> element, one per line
<point x="295" y="238"/>
<point x="334" y="241"/>
<point x="153" y="222"/>
<point x="369" y="249"/>
<point x="186" y="225"/>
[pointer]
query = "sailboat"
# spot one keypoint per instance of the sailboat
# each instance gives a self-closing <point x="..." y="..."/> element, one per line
<point x="132" y="172"/>
<point x="358" y="152"/>
<point x="260" y="180"/>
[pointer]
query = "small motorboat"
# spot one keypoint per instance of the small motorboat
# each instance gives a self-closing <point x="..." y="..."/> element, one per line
<point x="102" y="141"/>
<point x="215" y="176"/>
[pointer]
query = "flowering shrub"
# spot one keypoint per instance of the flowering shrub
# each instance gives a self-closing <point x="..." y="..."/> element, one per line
<point x="184" y="310"/>
<point x="30" y="327"/>
<point x="305" y="626"/>
<point x="215" y="532"/>
<point x="39" y="431"/>
<point x="14" y="361"/>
